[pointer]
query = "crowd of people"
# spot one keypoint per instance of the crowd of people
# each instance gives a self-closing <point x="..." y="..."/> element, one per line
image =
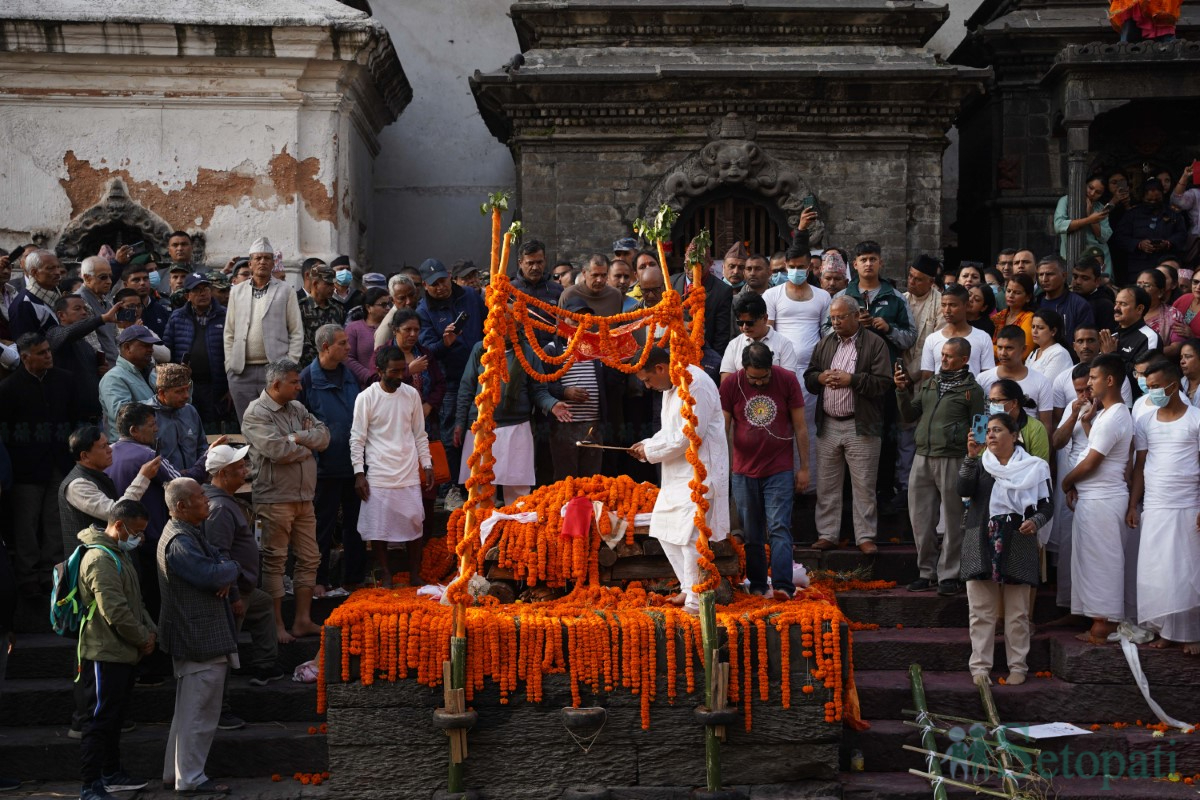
<point x="1013" y="413"/>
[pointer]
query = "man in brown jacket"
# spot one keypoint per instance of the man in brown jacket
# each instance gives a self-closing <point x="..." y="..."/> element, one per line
<point x="283" y="436"/>
<point x="849" y="374"/>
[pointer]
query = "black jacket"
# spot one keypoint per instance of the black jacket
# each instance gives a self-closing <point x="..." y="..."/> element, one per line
<point x="36" y="417"/>
<point x="1148" y="222"/>
<point x="718" y="310"/>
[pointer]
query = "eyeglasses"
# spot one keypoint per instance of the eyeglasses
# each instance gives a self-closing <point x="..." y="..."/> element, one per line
<point x="560" y="274"/>
<point x="746" y="323"/>
<point x="384" y="304"/>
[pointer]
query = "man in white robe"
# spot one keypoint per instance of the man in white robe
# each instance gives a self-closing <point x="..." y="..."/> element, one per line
<point x="1096" y="489"/>
<point x="1166" y="479"/>
<point x="673" y="521"/>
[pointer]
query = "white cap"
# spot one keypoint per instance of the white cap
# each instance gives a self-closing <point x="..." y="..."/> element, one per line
<point x="222" y="456"/>
<point x="262" y="245"/>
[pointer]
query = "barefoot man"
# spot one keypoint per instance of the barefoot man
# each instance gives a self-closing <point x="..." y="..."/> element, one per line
<point x="673" y="521"/>
<point x="1167" y="448"/>
<point x="1096" y="489"/>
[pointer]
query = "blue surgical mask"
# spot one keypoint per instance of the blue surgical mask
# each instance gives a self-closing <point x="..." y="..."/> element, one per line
<point x="1142" y="384"/>
<point x="797" y="276"/>
<point x="343" y="277"/>
<point x="1158" y="397"/>
<point x="995" y="289"/>
<point x="130" y="544"/>
<point x="736" y="286"/>
<point x="778" y="278"/>
<point x="996" y="408"/>
<point x="155" y="279"/>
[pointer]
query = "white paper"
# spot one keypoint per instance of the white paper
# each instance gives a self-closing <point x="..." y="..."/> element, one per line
<point x="1048" y="731"/>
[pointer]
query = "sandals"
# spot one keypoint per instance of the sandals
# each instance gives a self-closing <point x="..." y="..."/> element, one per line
<point x="209" y="787"/>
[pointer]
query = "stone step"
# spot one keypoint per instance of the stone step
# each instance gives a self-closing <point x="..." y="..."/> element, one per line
<point x="890" y="607"/>
<point x="1081" y="662"/>
<point x="893" y="562"/>
<point x="45" y="655"/>
<point x="903" y="786"/>
<point x="1107" y="749"/>
<point x="935" y="649"/>
<point x="256" y="751"/>
<point x="885" y="693"/>
<point x="49" y="702"/>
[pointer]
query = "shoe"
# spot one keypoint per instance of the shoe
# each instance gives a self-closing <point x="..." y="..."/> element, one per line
<point x="824" y="544"/>
<point x="75" y="733"/>
<point x="454" y="499"/>
<point x="921" y="585"/>
<point x="949" y="588"/>
<point x="9" y="784"/>
<point x="338" y="592"/>
<point x="129" y="727"/>
<point x="209" y="787"/>
<point x="95" y="792"/>
<point x="1014" y="679"/>
<point x="869" y="548"/>
<point x="287" y="585"/>
<point x="265" y="675"/>
<point x="150" y="681"/>
<point x="122" y="782"/>
<point x="230" y="722"/>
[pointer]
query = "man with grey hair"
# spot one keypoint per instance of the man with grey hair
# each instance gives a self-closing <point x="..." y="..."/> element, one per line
<point x="262" y="324"/>
<point x="604" y="300"/>
<point x="849" y="374"/>
<point x="97" y="285"/>
<point x="283" y="438"/>
<point x="330" y="391"/>
<point x="405" y="294"/>
<point x="196" y="628"/>
<point x="33" y="310"/>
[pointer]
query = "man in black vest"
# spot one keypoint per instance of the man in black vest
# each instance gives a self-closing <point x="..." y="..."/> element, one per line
<point x="85" y="498"/>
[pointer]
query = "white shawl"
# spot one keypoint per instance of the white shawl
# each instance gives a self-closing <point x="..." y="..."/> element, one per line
<point x="1020" y="483"/>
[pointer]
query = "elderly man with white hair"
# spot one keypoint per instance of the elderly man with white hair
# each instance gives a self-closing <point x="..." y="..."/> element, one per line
<point x="262" y="324"/>
<point x="33" y="310"/>
<point x="405" y="294"/>
<point x="97" y="286"/>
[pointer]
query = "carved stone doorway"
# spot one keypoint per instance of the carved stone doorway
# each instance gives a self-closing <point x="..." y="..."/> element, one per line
<point x="733" y="215"/>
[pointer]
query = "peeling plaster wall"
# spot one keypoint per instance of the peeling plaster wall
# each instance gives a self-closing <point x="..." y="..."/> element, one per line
<point x="438" y="161"/>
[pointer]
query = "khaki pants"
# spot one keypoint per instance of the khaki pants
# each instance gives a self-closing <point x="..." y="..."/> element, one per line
<point x="933" y="495"/>
<point x="837" y="448"/>
<point x="289" y="525"/>
<point x="198" y="687"/>
<point x="989" y="600"/>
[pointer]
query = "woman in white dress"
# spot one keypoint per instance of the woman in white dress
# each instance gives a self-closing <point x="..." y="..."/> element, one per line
<point x="1049" y="356"/>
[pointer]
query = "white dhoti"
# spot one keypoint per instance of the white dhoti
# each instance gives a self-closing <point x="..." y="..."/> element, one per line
<point x="687" y="569"/>
<point x="392" y="515"/>
<point x="1168" y="574"/>
<point x="1098" y="558"/>
<point x="513" y="451"/>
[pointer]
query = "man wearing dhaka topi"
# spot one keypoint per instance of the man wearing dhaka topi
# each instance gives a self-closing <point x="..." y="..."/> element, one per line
<point x="673" y="521"/>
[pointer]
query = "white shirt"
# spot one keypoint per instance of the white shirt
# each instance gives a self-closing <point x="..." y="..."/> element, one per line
<point x="798" y="320"/>
<point x="1063" y="391"/>
<point x="782" y="352"/>
<point x="1172" y="458"/>
<point x="982" y="357"/>
<point x="673" y="520"/>
<point x="1034" y="385"/>
<point x="1054" y="361"/>
<point x="387" y="437"/>
<point x="1111" y="435"/>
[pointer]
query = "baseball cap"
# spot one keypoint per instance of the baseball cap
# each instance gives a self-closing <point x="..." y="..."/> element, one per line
<point x="218" y="279"/>
<point x="179" y="268"/>
<point x="222" y="456"/>
<point x="464" y="268"/>
<point x="194" y="280"/>
<point x="628" y="243"/>
<point x="374" y="279"/>
<point x="322" y="273"/>
<point x="138" y="333"/>
<point x="433" y="270"/>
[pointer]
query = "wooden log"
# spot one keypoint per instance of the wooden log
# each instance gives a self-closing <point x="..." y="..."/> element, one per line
<point x="626" y="550"/>
<point x="607" y="556"/>
<point x="502" y="591"/>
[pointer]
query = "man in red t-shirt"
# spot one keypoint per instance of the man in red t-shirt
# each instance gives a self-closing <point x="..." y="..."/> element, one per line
<point x="765" y="408"/>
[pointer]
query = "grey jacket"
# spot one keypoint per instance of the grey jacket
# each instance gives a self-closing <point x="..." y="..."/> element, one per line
<point x="282" y="327"/>
<point x="228" y="530"/>
<point x="106" y="334"/>
<point x="181" y="438"/>
<point x="194" y="624"/>
<point x="284" y="468"/>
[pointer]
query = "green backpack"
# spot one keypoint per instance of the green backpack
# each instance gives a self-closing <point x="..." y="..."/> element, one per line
<point x="66" y="616"/>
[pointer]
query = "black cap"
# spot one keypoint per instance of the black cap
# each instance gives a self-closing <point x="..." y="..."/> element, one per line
<point x="927" y="265"/>
<point x="194" y="280"/>
<point x="340" y="261"/>
<point x="433" y="270"/>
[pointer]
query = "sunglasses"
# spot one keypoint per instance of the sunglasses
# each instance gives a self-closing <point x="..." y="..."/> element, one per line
<point x="746" y="323"/>
<point x="560" y="274"/>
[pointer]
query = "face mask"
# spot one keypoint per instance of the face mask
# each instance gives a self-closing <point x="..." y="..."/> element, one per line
<point x="737" y="285"/>
<point x="343" y="277"/>
<point x="1158" y="397"/>
<point x="996" y="408"/>
<point x="777" y="278"/>
<point x="155" y="279"/>
<point x="797" y="276"/>
<point x="130" y="544"/>
<point x="995" y="289"/>
<point x="1142" y="384"/>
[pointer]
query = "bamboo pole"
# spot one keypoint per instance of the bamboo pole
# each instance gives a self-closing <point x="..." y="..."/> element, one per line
<point x="927" y="740"/>
<point x="993" y="718"/>
<point x="711" y="644"/>
<point x="940" y="783"/>
<point x="458" y="675"/>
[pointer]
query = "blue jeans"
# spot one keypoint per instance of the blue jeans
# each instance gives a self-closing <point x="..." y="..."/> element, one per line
<point x="765" y="508"/>
<point x="453" y="454"/>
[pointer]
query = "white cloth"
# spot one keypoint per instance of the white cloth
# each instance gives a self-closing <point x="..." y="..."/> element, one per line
<point x="798" y="320"/>
<point x="982" y="358"/>
<point x="1034" y="385"/>
<point x="673" y="519"/>
<point x="387" y="437"/>
<point x="1111" y="435"/>
<point x="1098" y="558"/>
<point x="513" y="450"/>
<point x="198" y="691"/>
<point x="687" y="569"/>
<point x="1019" y="484"/>
<point x="926" y="318"/>
<point x="392" y="514"/>
<point x="1053" y="361"/>
<point x="1063" y="391"/>
<point x="783" y="354"/>
<point x="495" y="518"/>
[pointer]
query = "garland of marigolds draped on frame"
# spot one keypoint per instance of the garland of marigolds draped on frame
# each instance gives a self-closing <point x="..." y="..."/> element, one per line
<point x="510" y="318"/>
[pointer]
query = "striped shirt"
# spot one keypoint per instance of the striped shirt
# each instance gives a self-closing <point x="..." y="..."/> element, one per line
<point x="840" y="402"/>
<point x="582" y="375"/>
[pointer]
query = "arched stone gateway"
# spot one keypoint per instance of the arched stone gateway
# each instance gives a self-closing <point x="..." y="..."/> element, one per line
<point x="117" y="220"/>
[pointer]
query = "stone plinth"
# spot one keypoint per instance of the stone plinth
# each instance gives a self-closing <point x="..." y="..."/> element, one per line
<point x="382" y="742"/>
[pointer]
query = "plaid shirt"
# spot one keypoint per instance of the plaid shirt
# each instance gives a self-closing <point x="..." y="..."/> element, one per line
<point x="194" y="624"/>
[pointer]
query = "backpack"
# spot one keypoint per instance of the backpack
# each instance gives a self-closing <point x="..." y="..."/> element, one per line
<point x="66" y="617"/>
